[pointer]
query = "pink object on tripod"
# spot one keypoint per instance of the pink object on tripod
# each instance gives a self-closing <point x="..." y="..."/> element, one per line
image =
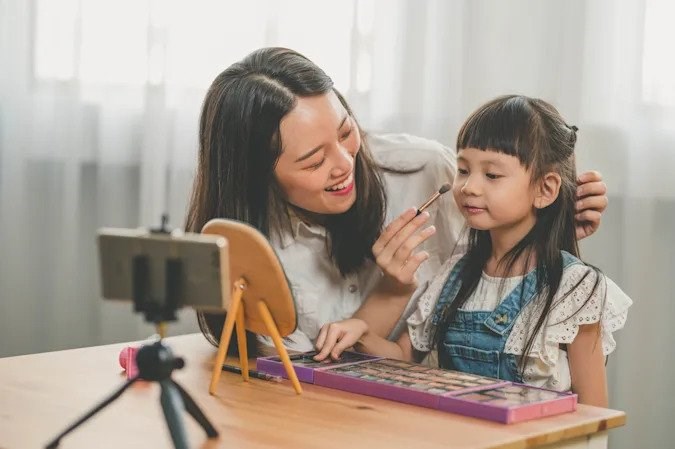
<point x="127" y="359"/>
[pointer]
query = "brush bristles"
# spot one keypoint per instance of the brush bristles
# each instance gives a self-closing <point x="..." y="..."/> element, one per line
<point x="444" y="188"/>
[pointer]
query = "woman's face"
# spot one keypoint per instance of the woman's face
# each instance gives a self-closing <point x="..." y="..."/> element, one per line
<point x="319" y="141"/>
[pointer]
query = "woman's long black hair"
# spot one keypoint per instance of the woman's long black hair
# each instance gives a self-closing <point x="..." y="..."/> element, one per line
<point x="239" y="146"/>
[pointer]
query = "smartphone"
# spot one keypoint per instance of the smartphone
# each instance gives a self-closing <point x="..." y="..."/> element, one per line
<point x="203" y="263"/>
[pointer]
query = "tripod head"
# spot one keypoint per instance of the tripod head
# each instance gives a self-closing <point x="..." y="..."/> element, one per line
<point x="156" y="362"/>
<point x="154" y="309"/>
<point x="161" y="270"/>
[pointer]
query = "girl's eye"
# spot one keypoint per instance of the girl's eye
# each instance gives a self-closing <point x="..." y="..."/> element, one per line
<point x="317" y="165"/>
<point x="492" y="176"/>
<point x="462" y="171"/>
<point x="346" y="134"/>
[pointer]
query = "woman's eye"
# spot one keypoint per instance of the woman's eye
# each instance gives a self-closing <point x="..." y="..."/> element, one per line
<point x="346" y="134"/>
<point x="317" y="165"/>
<point x="462" y="171"/>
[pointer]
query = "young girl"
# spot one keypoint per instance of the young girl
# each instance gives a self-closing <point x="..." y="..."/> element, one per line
<point x="519" y="305"/>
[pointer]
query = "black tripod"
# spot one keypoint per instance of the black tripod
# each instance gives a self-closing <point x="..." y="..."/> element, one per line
<point x="156" y="363"/>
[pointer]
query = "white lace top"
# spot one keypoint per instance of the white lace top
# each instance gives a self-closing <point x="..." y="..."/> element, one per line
<point x="547" y="365"/>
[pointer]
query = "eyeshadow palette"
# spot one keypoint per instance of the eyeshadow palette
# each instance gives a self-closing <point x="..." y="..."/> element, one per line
<point x="402" y="381"/>
<point x="305" y="365"/>
<point x="411" y="383"/>
<point x="510" y="403"/>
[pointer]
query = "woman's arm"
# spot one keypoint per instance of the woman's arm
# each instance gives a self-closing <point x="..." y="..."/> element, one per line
<point x="384" y="306"/>
<point x="393" y="252"/>
<point x="341" y="335"/>
<point x="374" y="344"/>
<point x="587" y="366"/>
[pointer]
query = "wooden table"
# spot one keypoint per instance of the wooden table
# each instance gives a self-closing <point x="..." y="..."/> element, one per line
<point x="40" y="394"/>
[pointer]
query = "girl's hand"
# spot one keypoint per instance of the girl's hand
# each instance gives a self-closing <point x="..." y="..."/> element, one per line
<point x="337" y="336"/>
<point x="591" y="203"/>
<point x="393" y="250"/>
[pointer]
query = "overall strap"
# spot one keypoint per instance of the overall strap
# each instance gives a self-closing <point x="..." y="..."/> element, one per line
<point x="504" y="316"/>
<point x="569" y="259"/>
<point x="449" y="290"/>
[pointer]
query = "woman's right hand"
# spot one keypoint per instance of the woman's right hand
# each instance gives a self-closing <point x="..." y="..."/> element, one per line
<point x="338" y="336"/>
<point x="393" y="250"/>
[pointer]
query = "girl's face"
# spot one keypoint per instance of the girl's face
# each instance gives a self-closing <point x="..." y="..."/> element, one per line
<point x="494" y="191"/>
<point x="319" y="142"/>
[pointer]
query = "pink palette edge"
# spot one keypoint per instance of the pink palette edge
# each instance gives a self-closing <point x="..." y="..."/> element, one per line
<point x="468" y="401"/>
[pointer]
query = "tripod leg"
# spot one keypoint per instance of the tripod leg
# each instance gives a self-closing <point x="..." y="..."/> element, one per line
<point x="283" y="354"/>
<point x="172" y="406"/>
<point x="241" y="340"/>
<point x="225" y="336"/>
<point x="55" y="442"/>
<point x="193" y="409"/>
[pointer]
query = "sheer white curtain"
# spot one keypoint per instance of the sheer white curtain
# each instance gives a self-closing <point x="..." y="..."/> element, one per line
<point x="99" y="103"/>
<point x="99" y="106"/>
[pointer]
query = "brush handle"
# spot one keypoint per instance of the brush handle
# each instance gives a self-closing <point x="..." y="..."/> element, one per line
<point x="433" y="198"/>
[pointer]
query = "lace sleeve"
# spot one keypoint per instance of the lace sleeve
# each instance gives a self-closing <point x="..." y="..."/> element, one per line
<point x="583" y="298"/>
<point x="420" y="325"/>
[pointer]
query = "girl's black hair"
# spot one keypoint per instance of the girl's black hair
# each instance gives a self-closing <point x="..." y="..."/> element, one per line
<point x="533" y="131"/>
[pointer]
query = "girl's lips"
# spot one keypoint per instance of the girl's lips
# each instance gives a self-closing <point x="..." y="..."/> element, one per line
<point x="474" y="210"/>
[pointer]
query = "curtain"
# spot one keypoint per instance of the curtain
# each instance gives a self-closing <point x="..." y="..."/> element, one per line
<point x="99" y="104"/>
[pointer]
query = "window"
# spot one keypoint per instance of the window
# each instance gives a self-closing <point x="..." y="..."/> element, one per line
<point x="658" y="63"/>
<point x="186" y="44"/>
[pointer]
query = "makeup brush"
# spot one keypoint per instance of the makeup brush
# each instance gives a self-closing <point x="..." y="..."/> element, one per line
<point x="444" y="188"/>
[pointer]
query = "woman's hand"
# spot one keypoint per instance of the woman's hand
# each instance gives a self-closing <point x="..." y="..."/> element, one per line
<point x="337" y="336"/>
<point x="591" y="203"/>
<point x="393" y="250"/>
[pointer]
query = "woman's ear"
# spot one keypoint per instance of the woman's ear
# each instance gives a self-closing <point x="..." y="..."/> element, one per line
<point x="547" y="190"/>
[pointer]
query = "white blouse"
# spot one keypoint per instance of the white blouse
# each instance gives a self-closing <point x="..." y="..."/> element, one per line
<point x="547" y="364"/>
<point x="321" y="294"/>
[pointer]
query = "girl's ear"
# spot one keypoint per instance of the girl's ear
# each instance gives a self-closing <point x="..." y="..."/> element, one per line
<point x="547" y="190"/>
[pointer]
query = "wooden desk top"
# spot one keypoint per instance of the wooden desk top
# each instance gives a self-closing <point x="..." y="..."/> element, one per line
<point x="43" y="393"/>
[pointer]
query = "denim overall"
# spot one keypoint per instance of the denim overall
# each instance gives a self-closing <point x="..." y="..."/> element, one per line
<point x="475" y="341"/>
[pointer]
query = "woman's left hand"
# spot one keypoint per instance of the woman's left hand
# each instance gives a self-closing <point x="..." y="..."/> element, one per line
<point x="591" y="203"/>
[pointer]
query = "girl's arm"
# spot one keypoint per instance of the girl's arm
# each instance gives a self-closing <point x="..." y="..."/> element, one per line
<point x="587" y="366"/>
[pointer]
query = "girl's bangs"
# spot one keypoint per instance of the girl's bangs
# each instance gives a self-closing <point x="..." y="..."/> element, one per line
<point x="500" y="126"/>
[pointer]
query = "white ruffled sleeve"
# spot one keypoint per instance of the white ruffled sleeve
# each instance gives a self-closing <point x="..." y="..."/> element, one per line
<point x="420" y="327"/>
<point x="580" y="301"/>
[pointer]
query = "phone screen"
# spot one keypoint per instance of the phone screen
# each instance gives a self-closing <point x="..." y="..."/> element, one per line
<point x="203" y="262"/>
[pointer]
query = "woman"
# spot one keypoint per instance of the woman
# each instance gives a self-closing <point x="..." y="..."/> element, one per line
<point x="281" y="150"/>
